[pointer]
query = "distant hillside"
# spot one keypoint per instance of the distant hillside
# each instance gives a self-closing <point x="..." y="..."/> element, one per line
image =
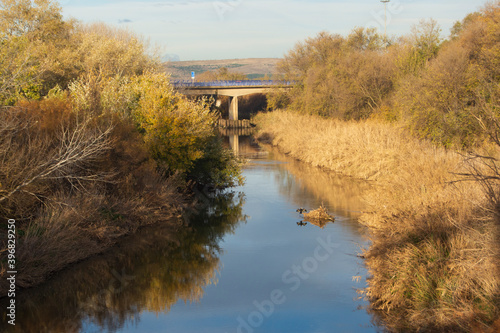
<point x="252" y="67"/>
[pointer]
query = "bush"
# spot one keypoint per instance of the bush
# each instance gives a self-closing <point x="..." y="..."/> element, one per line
<point x="43" y="144"/>
<point x="75" y="184"/>
<point x="175" y="129"/>
<point x="218" y="167"/>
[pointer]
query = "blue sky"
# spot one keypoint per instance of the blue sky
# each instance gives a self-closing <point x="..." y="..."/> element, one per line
<point x="229" y="29"/>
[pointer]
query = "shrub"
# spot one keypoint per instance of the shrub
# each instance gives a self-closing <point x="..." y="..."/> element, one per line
<point x="179" y="133"/>
<point x="218" y="167"/>
<point x="43" y="143"/>
<point x="75" y="183"/>
<point x="443" y="101"/>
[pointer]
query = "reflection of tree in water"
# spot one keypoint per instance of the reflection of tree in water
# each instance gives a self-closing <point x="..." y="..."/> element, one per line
<point x="298" y="180"/>
<point x="150" y="271"/>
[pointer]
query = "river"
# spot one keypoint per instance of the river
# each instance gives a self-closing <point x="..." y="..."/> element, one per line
<point x="247" y="263"/>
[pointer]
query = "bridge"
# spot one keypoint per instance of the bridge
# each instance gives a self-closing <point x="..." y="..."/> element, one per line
<point x="233" y="89"/>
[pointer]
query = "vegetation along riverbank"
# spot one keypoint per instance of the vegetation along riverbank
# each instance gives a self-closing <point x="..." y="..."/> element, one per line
<point x="417" y="117"/>
<point x="94" y="142"/>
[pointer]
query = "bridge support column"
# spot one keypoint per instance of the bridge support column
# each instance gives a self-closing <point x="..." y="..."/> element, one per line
<point x="233" y="108"/>
<point x="234" y="143"/>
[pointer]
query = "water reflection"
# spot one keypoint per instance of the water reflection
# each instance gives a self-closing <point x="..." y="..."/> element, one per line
<point x="242" y="143"/>
<point x="149" y="271"/>
<point x="318" y="223"/>
<point x="341" y="194"/>
<point x="297" y="180"/>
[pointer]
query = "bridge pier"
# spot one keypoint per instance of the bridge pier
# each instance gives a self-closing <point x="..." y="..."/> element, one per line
<point x="234" y="142"/>
<point x="233" y="108"/>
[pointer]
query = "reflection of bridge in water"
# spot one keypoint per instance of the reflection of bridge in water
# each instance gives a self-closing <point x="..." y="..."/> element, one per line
<point x="232" y="89"/>
<point x="241" y="141"/>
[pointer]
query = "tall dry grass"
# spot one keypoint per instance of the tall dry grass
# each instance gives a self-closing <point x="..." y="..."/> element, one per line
<point x="434" y="255"/>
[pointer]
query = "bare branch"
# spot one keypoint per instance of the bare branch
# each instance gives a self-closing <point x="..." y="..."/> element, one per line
<point x="75" y="148"/>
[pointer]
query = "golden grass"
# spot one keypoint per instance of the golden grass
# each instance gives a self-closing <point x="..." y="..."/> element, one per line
<point x="434" y="256"/>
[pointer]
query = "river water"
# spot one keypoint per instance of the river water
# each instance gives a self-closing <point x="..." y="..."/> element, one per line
<point x="248" y="263"/>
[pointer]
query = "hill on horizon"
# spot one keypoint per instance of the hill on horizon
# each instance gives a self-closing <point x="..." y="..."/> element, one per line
<point x="251" y="67"/>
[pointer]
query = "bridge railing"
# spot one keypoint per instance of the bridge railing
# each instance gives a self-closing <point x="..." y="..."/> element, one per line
<point x="230" y="83"/>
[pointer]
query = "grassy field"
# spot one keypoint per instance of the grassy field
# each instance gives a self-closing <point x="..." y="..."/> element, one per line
<point x="434" y="256"/>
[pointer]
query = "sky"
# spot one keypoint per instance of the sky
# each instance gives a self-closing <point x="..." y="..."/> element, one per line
<point x="235" y="29"/>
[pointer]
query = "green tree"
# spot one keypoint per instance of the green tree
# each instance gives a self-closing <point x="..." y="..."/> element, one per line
<point x="426" y="38"/>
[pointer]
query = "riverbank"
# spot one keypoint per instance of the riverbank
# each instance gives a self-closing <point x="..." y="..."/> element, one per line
<point x="434" y="256"/>
<point x="69" y="199"/>
<point x="151" y="270"/>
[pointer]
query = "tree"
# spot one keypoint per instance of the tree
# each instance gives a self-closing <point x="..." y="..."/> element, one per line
<point x="35" y="19"/>
<point x="18" y="68"/>
<point x="426" y="39"/>
<point x="339" y="77"/>
<point x="112" y="51"/>
<point x="365" y="39"/>
<point x="460" y="26"/>
<point x="32" y="34"/>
